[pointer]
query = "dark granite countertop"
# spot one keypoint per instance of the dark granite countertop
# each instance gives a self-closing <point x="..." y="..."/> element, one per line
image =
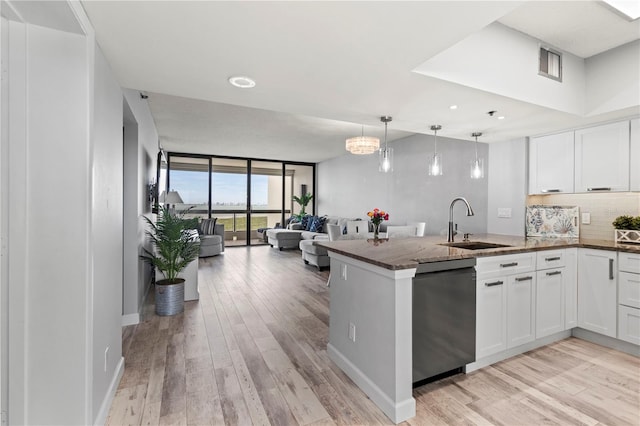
<point x="406" y="253"/>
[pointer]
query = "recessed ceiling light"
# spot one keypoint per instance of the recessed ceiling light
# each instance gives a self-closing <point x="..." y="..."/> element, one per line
<point x="242" y="81"/>
<point x="453" y="107"/>
<point x="501" y="117"/>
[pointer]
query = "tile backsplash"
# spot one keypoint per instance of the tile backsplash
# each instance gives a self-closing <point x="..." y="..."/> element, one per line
<point x="603" y="208"/>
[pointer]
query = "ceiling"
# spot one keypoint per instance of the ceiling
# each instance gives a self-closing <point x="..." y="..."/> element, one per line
<point x="324" y="69"/>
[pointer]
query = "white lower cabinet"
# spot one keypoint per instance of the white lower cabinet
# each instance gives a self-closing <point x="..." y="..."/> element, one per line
<point x="629" y="324"/>
<point x="520" y="309"/>
<point x="629" y="297"/>
<point x="550" y="301"/>
<point x="570" y="278"/>
<point x="491" y="316"/>
<point x="556" y="291"/>
<point x="505" y="289"/>
<point x="597" y="300"/>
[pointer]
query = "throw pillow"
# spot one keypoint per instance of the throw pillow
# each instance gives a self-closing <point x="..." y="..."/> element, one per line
<point x="317" y="224"/>
<point x="311" y="219"/>
<point x="305" y="222"/>
<point x="208" y="226"/>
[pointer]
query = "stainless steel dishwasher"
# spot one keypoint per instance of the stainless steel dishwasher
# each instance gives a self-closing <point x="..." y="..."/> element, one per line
<point x="444" y="319"/>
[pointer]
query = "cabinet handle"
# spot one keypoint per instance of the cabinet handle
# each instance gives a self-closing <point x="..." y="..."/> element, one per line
<point x="551" y="259"/>
<point x="546" y="191"/>
<point x="610" y="269"/>
<point x="602" y="188"/>
<point x="554" y="273"/>
<point x="523" y="278"/>
<point x="494" y="283"/>
<point x="506" y="265"/>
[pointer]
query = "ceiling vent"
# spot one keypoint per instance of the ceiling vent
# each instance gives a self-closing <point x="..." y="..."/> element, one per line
<point x="550" y="64"/>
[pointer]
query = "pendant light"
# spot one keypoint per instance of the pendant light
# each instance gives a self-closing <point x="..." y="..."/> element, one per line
<point x="435" y="160"/>
<point x="477" y="165"/>
<point x="362" y="145"/>
<point x="386" y="153"/>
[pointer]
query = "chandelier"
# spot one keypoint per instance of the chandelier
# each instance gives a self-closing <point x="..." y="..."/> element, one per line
<point x="362" y="144"/>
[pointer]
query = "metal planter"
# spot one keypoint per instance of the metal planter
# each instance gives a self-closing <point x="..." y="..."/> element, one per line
<point x="169" y="298"/>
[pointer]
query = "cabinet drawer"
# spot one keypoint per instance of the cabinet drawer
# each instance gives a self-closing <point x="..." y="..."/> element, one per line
<point x="629" y="289"/>
<point x="629" y="324"/>
<point x="509" y="264"/>
<point x="548" y="259"/>
<point x="629" y="262"/>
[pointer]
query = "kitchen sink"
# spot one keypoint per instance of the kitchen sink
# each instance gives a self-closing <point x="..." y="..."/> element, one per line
<point x="474" y="245"/>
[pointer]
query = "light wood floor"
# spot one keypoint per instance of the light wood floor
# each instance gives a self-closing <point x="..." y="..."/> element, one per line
<point x="252" y="350"/>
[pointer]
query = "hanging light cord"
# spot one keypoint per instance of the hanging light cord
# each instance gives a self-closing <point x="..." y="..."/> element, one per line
<point x="475" y="135"/>
<point x="476" y="147"/>
<point x="385" y="135"/>
<point x="435" y="141"/>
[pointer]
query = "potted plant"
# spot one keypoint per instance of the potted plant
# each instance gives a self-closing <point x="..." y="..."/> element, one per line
<point x="303" y="201"/>
<point x="627" y="229"/>
<point x="175" y="245"/>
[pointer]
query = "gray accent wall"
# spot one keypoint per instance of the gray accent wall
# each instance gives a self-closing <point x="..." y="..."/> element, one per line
<point x="507" y="186"/>
<point x="351" y="185"/>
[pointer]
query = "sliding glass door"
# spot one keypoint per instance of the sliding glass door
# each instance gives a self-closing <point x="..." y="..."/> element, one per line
<point x="229" y="198"/>
<point x="266" y="197"/>
<point x="245" y="195"/>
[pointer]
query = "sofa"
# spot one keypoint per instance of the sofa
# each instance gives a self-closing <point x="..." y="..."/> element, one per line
<point x="290" y="237"/>
<point x="211" y="238"/>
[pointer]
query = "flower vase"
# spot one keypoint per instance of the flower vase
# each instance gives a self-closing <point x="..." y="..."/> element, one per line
<point x="376" y="231"/>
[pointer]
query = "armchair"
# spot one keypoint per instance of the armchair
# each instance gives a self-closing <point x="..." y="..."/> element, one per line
<point x="212" y="244"/>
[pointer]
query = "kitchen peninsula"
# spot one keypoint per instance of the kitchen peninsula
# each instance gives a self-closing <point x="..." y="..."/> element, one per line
<point x="370" y="332"/>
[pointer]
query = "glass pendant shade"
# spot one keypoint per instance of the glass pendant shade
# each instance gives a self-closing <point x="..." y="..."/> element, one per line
<point x="435" y="160"/>
<point x="386" y="160"/>
<point x="435" y="164"/>
<point x="477" y="168"/>
<point x="477" y="165"/>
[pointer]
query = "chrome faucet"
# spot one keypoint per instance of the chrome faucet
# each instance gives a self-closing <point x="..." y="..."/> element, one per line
<point x="451" y="233"/>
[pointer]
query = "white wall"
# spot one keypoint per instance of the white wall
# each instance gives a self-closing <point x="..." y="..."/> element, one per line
<point x="351" y="185"/>
<point x="58" y="276"/>
<point x="612" y="79"/>
<point x="141" y="155"/>
<point x="4" y="191"/>
<point x="501" y="60"/>
<point x="507" y="186"/>
<point x="62" y="223"/>
<point x="106" y="224"/>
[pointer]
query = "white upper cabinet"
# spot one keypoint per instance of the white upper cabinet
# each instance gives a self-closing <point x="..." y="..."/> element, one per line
<point x="602" y="158"/>
<point x="635" y="155"/>
<point x="551" y="164"/>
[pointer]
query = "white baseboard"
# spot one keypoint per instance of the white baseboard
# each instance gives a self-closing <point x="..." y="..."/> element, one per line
<point x="130" y="319"/>
<point x="396" y="411"/>
<point x="501" y="356"/>
<point x="136" y="318"/>
<point x="101" y="417"/>
<point x="609" y="342"/>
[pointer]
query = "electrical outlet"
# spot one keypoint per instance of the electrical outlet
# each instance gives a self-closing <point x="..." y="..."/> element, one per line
<point x="106" y="358"/>
<point x="504" y="212"/>
<point x="352" y="332"/>
<point x="586" y="218"/>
